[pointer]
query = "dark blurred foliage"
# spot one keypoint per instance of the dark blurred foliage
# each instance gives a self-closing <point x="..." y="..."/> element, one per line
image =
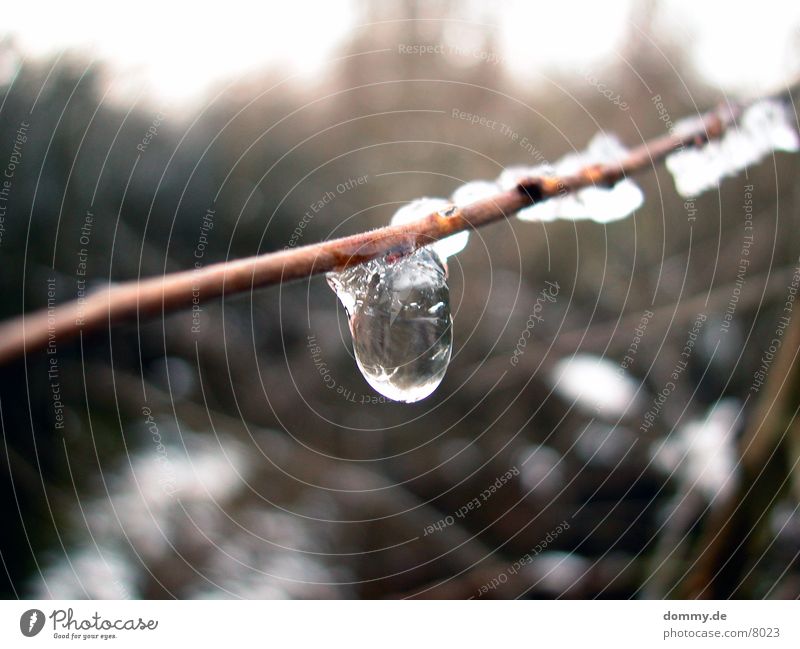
<point x="259" y="154"/>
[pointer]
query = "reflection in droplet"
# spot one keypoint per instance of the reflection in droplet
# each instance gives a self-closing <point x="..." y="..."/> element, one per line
<point x="399" y="315"/>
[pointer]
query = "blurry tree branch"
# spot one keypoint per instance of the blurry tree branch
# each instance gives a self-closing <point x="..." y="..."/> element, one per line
<point x="767" y="468"/>
<point x="142" y="299"/>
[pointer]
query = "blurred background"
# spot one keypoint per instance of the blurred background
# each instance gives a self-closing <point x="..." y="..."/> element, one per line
<point x="642" y="444"/>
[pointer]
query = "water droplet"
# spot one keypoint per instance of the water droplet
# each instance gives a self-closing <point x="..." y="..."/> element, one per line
<point x="399" y="315"/>
<point x="420" y="208"/>
<point x="764" y="127"/>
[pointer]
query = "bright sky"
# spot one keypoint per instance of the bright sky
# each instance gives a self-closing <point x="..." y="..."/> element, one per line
<point x="178" y="49"/>
<point x="744" y="45"/>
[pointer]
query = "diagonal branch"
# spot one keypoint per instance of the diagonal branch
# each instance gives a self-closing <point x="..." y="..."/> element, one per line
<point x="174" y="291"/>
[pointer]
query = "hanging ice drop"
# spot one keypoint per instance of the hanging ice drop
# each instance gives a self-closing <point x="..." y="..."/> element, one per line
<point x="399" y="315"/>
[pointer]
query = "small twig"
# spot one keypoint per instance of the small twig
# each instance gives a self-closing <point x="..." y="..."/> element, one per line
<point x="174" y="291"/>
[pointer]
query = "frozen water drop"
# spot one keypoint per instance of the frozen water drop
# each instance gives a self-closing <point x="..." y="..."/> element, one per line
<point x="399" y="316"/>
<point x="420" y="208"/>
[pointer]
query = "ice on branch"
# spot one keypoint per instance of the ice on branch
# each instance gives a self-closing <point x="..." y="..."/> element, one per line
<point x="600" y="204"/>
<point x="511" y="176"/>
<point x="422" y="207"/>
<point x="766" y="126"/>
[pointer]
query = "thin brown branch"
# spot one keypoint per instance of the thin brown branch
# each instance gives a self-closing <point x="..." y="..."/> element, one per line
<point x="174" y="291"/>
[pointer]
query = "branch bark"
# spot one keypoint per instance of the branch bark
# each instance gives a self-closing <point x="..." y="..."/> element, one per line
<point x="151" y="297"/>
